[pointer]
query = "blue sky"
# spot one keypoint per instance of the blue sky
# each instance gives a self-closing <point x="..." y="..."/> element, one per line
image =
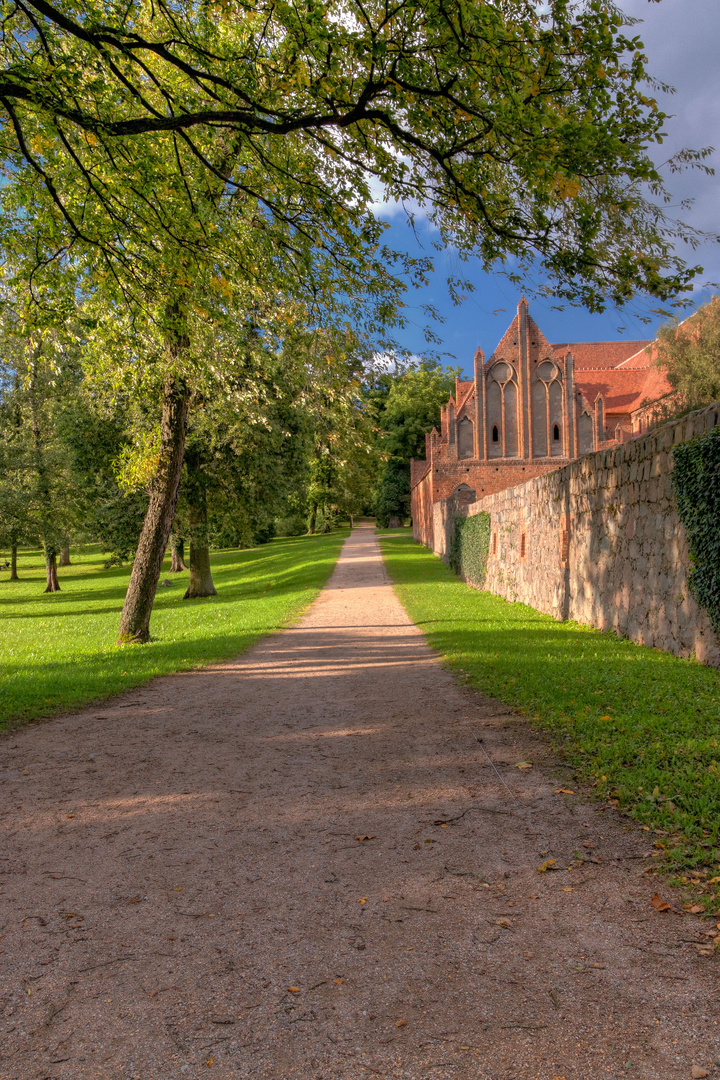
<point x="682" y="42"/>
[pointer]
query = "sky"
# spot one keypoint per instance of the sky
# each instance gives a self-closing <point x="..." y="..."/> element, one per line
<point x="682" y="43"/>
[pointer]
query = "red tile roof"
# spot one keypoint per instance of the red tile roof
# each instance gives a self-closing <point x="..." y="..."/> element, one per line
<point x="604" y="354"/>
<point x="623" y="389"/>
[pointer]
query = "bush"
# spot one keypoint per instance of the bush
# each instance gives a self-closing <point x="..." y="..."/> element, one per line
<point x="468" y="553"/>
<point x="696" y="478"/>
<point x="291" y="525"/>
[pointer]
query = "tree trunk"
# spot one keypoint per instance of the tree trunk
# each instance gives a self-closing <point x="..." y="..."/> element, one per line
<point x="51" y="577"/>
<point x="313" y="518"/>
<point x="177" y="559"/>
<point x="64" y="557"/>
<point x="201" y="582"/>
<point x="135" y="618"/>
<point x="394" y="522"/>
<point x="13" y="563"/>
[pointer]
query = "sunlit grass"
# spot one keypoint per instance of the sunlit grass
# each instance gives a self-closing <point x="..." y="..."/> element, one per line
<point x="640" y="725"/>
<point x="58" y="651"/>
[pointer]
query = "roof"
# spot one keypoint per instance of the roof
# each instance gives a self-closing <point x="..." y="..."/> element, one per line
<point x="623" y="389"/>
<point x="604" y="354"/>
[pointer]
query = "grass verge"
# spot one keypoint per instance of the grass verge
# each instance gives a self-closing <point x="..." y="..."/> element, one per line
<point x="641" y="726"/>
<point x="58" y="651"/>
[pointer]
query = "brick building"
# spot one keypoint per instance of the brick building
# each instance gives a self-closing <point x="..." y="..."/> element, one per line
<point x="532" y="407"/>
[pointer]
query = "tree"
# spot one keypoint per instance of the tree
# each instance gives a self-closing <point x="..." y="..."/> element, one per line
<point x="689" y="352"/>
<point x="38" y="373"/>
<point x="405" y="405"/>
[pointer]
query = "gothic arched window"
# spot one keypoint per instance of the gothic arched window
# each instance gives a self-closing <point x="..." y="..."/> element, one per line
<point x="495" y="434"/>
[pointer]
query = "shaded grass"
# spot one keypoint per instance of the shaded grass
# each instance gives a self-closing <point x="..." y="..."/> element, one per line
<point x="58" y="651"/>
<point x="640" y="725"/>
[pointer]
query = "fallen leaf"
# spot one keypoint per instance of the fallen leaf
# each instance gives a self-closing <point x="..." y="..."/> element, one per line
<point x="660" y="905"/>
<point x="293" y="990"/>
<point x="562" y="790"/>
<point x="362" y="900"/>
<point x="416" y="847"/>
<point x="445" y="826"/>
<point x="210" y="1062"/>
<point x="524" y="765"/>
<point x="363" y="838"/>
<point x="338" y="982"/>
<point x="549" y="864"/>
<point x="503" y="922"/>
<point x="696" y="909"/>
<point x="698" y="1073"/>
<point x="401" y="1023"/>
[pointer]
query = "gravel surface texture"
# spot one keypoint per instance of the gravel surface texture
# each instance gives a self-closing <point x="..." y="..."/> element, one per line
<point x="321" y="861"/>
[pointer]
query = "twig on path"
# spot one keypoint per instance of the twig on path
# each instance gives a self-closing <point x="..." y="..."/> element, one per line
<point x="459" y="817"/>
<point x="433" y="910"/>
<point x="524" y="1027"/>
<point x="106" y="963"/>
<point x="480" y="744"/>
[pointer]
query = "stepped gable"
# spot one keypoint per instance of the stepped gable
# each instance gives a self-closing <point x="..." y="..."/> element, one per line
<point x="509" y="348"/>
<point x="604" y="354"/>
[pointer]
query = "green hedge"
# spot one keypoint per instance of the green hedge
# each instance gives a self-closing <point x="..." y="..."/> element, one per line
<point x="696" y="477"/>
<point x="469" y="548"/>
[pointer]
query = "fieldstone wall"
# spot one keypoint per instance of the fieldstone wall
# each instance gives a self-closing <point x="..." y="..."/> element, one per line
<point x="599" y="541"/>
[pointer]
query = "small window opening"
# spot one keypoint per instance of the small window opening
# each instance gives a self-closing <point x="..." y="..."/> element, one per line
<point x="556" y="433"/>
<point x="494" y="544"/>
<point x="522" y="545"/>
<point x="495" y="434"/>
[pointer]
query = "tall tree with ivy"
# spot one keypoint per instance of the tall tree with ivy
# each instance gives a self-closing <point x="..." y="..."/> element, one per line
<point x="159" y="145"/>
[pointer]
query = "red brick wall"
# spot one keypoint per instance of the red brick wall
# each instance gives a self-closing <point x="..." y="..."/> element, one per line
<point x="486" y="478"/>
<point x="421" y="509"/>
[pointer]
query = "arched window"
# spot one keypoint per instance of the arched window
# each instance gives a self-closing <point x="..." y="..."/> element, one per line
<point x="556" y="433"/>
<point x="495" y="434"/>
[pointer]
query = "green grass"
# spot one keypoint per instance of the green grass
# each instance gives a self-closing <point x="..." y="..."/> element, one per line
<point x="58" y="651"/>
<point x="641" y="726"/>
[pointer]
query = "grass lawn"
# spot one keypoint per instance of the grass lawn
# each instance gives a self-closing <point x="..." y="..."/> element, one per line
<point x="640" y="725"/>
<point x="58" y="651"/>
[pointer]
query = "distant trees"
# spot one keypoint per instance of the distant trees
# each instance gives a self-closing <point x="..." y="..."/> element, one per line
<point x="404" y="406"/>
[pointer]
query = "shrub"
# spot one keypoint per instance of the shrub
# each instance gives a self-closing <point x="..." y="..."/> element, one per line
<point x="469" y="548"/>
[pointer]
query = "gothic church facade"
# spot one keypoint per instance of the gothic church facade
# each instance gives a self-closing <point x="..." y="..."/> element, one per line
<point x="532" y="407"/>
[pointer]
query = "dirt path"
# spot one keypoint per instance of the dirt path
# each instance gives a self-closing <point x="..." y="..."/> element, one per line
<point x="241" y="873"/>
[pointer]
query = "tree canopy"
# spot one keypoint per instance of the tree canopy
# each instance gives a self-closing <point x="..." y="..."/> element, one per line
<point x="521" y="129"/>
<point x="689" y="352"/>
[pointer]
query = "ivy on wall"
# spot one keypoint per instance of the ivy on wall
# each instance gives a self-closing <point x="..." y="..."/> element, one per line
<point x="696" y="478"/>
<point x="468" y="553"/>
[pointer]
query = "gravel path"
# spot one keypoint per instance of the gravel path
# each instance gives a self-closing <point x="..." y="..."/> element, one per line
<point x="302" y="864"/>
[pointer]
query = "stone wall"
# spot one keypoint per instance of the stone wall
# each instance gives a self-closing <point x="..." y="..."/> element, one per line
<point x="443" y="480"/>
<point x="599" y="541"/>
